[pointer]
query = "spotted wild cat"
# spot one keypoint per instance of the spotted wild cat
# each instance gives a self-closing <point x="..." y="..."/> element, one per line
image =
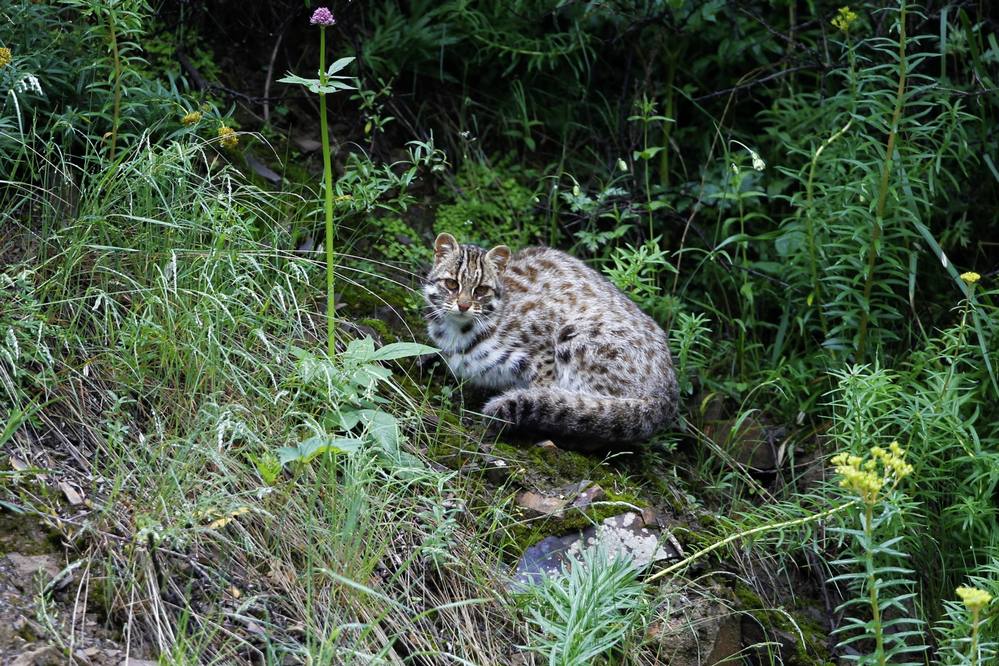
<point x="571" y="355"/>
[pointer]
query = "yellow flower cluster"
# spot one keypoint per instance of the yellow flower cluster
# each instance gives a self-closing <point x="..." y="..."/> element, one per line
<point x="973" y="598"/>
<point x="971" y="277"/>
<point x="868" y="478"/>
<point x="5" y="56"/>
<point x="192" y="118"/>
<point x="228" y="137"/>
<point x="844" y="19"/>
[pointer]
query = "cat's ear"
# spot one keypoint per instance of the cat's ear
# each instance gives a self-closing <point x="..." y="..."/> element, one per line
<point x="444" y="245"/>
<point x="499" y="255"/>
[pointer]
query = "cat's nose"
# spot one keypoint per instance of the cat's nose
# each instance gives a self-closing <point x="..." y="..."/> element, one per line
<point x="464" y="306"/>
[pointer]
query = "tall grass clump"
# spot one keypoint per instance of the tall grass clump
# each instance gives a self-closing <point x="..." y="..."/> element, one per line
<point x="161" y="322"/>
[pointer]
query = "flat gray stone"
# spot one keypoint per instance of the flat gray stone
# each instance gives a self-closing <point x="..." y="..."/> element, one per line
<point x="26" y="566"/>
<point x="623" y="536"/>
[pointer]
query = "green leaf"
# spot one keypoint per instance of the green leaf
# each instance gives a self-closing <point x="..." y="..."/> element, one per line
<point x="990" y="165"/>
<point x="347" y="419"/>
<point x="315" y="85"/>
<point x="368" y="374"/>
<point x="294" y="79"/>
<point x="315" y="446"/>
<point x="13" y="508"/>
<point x="301" y="354"/>
<point x="949" y="267"/>
<point x="338" y="65"/>
<point x="648" y="153"/>
<point x="382" y="428"/>
<point x="331" y="87"/>
<point x="361" y="349"/>
<point x="396" y="350"/>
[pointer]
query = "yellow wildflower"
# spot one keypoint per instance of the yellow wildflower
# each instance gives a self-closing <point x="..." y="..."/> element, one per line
<point x="5" y="56"/>
<point x="867" y="478"/>
<point x="970" y="277"/>
<point x="973" y="598"/>
<point x="342" y="198"/>
<point x="228" y="137"/>
<point x="844" y="19"/>
<point x="192" y="118"/>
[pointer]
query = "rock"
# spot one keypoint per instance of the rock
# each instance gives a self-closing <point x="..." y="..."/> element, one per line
<point x="728" y="640"/>
<point x="139" y="662"/>
<point x="774" y="641"/>
<point x="307" y="144"/>
<point x="25" y="567"/>
<point x="536" y="504"/>
<point x="47" y="655"/>
<point x="696" y="629"/>
<point x="575" y="495"/>
<point x="748" y="440"/>
<point x="262" y="170"/>
<point x="624" y="535"/>
<point x="583" y="494"/>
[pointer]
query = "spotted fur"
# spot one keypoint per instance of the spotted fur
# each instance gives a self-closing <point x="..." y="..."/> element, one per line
<point x="572" y="356"/>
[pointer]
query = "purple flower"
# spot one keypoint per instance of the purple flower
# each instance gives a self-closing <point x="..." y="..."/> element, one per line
<point x="322" y="16"/>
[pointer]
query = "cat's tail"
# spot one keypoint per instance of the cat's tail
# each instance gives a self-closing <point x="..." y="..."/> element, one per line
<point x="588" y="420"/>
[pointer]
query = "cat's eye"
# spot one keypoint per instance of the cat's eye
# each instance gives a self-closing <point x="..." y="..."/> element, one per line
<point x="481" y="290"/>
<point x="451" y="284"/>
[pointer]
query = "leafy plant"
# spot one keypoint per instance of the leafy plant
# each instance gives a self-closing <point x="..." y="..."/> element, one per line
<point x="878" y="583"/>
<point x="639" y="271"/>
<point x="351" y="384"/>
<point x="584" y="613"/>
<point x="328" y="82"/>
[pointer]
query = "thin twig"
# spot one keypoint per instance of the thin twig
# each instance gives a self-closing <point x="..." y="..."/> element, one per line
<point x="270" y="72"/>
<point x="748" y="533"/>
<point x="756" y="82"/>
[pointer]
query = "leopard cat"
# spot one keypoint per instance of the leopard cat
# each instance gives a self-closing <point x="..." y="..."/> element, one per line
<point x="571" y="356"/>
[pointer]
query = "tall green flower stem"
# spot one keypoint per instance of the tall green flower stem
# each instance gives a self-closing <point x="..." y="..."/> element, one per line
<point x="879" y="214"/>
<point x="328" y="82"/>
<point x="816" y="296"/>
<point x="872" y="584"/>
<point x="973" y="655"/>
<point x="328" y="178"/>
<point x="116" y="59"/>
<point x="975" y="601"/>
<point x="872" y="481"/>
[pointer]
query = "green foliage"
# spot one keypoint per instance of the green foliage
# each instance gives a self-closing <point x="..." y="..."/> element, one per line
<point x="689" y="336"/>
<point x="492" y="205"/>
<point x="585" y="613"/>
<point x="349" y="386"/>
<point x="641" y="272"/>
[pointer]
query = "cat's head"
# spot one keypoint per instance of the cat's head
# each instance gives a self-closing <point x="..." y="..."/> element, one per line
<point x="465" y="281"/>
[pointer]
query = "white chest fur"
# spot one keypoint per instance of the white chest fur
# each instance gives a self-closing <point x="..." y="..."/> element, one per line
<point x="480" y="356"/>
